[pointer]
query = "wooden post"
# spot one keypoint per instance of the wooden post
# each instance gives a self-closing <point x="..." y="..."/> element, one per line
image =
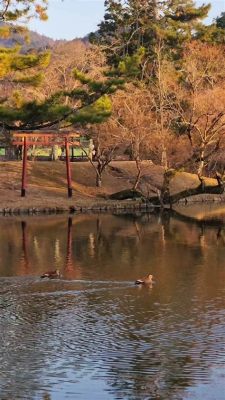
<point x="68" y="171"/>
<point x="24" y="171"/>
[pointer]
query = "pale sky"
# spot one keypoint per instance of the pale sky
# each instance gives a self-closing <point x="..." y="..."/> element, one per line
<point x="69" y="19"/>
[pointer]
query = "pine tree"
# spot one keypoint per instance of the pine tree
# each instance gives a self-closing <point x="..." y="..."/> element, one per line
<point x="17" y="10"/>
<point x="181" y="20"/>
<point x="16" y="68"/>
<point x="87" y="103"/>
<point x="12" y="13"/>
<point x="129" y="25"/>
<point x="145" y="39"/>
<point x="126" y="27"/>
<point x="213" y="33"/>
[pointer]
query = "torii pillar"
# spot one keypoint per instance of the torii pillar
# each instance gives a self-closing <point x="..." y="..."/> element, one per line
<point x="27" y="139"/>
<point x="24" y="171"/>
<point x="68" y="170"/>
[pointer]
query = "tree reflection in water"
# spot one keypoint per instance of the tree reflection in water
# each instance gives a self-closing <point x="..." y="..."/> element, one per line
<point x="24" y="257"/>
<point x="94" y="326"/>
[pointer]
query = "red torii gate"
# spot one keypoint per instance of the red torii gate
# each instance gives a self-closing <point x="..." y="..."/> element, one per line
<point x="47" y="139"/>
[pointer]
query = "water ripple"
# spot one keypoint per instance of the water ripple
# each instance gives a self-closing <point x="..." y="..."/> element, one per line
<point x="93" y="334"/>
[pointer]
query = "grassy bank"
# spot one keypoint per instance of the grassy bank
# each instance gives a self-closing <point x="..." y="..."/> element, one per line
<point x="47" y="186"/>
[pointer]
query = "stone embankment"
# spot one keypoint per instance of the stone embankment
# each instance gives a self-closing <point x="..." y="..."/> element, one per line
<point x="119" y="207"/>
<point x="125" y="206"/>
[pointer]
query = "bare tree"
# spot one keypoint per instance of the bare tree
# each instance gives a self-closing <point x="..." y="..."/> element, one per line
<point x="200" y="109"/>
<point x="134" y="125"/>
<point x="104" y="147"/>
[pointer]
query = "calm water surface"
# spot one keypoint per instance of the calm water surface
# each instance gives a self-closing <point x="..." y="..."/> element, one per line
<point x="93" y="334"/>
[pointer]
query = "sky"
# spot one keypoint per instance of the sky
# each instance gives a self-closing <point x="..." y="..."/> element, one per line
<point x="69" y="19"/>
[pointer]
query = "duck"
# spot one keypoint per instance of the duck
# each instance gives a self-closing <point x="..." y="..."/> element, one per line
<point x="51" y="274"/>
<point x="146" y="280"/>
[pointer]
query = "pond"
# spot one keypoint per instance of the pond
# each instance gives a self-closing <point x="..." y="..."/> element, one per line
<point x="93" y="334"/>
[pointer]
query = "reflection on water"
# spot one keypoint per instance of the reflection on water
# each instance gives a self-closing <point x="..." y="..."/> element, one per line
<point x="93" y="334"/>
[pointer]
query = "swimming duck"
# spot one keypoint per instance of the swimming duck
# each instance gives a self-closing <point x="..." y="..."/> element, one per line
<point x="146" y="280"/>
<point x="51" y="274"/>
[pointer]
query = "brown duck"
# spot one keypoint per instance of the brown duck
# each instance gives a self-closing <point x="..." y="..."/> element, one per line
<point x="51" y="274"/>
<point x="146" y="280"/>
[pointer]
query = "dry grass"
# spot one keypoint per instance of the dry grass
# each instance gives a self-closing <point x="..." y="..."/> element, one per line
<point x="47" y="185"/>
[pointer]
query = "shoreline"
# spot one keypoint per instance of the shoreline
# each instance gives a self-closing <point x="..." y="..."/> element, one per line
<point x="94" y="207"/>
<point x="47" y="189"/>
<point x="124" y="206"/>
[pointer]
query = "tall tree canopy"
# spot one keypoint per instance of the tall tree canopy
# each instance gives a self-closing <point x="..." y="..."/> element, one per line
<point x="131" y="24"/>
<point x="215" y="32"/>
<point x="17" y="68"/>
<point x="22" y="109"/>
<point x="164" y="43"/>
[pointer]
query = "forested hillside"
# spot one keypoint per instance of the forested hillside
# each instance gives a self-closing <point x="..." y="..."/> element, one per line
<point x="35" y="40"/>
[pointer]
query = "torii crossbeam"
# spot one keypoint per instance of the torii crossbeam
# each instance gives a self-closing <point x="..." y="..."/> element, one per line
<point x="45" y="138"/>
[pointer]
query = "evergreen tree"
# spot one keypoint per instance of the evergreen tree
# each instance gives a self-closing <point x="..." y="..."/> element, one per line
<point x="22" y="10"/>
<point x="15" y="66"/>
<point x="126" y="27"/>
<point x="146" y="39"/>
<point x="213" y="33"/>
<point x="181" y="20"/>
<point x="87" y="103"/>
<point x="220" y="21"/>
<point x="134" y="24"/>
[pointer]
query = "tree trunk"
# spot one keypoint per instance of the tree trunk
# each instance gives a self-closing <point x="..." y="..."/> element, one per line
<point x="165" y="191"/>
<point x="201" y="162"/>
<point x="164" y="162"/>
<point x="138" y="165"/>
<point x="200" y="189"/>
<point x="98" y="180"/>
<point x="99" y="171"/>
